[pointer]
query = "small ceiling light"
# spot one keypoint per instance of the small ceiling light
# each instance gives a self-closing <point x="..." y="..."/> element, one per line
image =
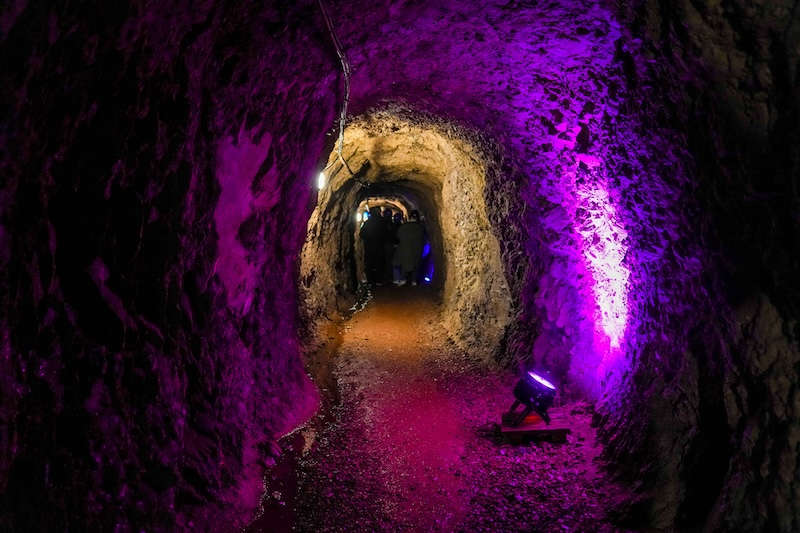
<point x="536" y="394"/>
<point x="321" y="179"/>
<point x="427" y="279"/>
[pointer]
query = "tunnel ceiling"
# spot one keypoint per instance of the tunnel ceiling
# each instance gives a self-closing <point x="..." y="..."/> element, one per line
<point x="641" y="176"/>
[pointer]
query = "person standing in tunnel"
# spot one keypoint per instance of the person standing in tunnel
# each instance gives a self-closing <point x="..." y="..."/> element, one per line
<point x="397" y="275"/>
<point x="389" y="244"/>
<point x="411" y="238"/>
<point x="373" y="235"/>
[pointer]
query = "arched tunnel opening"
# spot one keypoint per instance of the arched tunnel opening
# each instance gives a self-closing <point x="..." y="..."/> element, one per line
<point x="399" y="203"/>
<point x="411" y="162"/>
<point x="609" y="192"/>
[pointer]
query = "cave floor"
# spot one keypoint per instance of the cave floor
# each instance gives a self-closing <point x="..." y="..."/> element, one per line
<point x="408" y="442"/>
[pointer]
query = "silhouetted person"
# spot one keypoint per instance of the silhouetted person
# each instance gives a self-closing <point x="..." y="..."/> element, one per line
<point x="411" y="239"/>
<point x="389" y="243"/>
<point x="373" y="234"/>
<point x="397" y="275"/>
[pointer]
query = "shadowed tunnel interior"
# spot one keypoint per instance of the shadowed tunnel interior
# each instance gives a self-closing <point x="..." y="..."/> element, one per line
<point x="400" y="201"/>
<point x="442" y="173"/>
<point x="611" y="194"/>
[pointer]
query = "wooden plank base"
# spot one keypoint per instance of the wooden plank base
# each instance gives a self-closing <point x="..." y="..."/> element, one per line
<point x="533" y="428"/>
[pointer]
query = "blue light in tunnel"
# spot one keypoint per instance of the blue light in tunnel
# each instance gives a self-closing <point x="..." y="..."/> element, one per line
<point x="429" y="272"/>
<point x="426" y="249"/>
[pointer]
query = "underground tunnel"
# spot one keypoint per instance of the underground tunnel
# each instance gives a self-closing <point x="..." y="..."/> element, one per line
<point x="610" y="199"/>
<point x="436" y="172"/>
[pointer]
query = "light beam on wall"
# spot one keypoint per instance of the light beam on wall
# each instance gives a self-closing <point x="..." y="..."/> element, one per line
<point x="604" y="250"/>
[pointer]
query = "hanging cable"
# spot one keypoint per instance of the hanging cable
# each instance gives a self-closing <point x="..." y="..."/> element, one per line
<point x="346" y="71"/>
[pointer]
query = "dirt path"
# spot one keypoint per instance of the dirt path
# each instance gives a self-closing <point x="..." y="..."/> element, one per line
<point x="409" y="445"/>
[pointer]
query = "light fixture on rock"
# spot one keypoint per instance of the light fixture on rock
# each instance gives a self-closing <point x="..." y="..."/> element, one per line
<point x="536" y="394"/>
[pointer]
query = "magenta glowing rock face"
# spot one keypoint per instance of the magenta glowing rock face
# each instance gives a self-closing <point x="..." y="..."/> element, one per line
<point x="237" y="167"/>
<point x="550" y="87"/>
<point x="541" y="380"/>
<point x="604" y="252"/>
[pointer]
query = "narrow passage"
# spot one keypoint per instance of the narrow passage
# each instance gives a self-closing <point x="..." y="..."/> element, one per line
<point x="409" y="443"/>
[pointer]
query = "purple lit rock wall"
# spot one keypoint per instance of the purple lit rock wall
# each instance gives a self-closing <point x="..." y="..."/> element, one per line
<point x="160" y="162"/>
<point x="724" y="430"/>
<point x="155" y="159"/>
<point x="555" y="86"/>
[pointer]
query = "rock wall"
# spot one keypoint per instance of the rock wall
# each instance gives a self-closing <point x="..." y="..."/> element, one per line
<point x="157" y="160"/>
<point x="587" y="246"/>
<point x="728" y="418"/>
<point x="147" y="304"/>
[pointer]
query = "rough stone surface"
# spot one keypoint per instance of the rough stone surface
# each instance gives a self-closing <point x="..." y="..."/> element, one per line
<point x="158" y="163"/>
<point x="734" y="67"/>
<point x="148" y="302"/>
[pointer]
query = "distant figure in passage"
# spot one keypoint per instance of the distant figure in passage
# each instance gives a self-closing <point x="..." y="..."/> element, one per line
<point x="389" y="243"/>
<point x="411" y="238"/>
<point x="373" y="234"/>
<point x="397" y="275"/>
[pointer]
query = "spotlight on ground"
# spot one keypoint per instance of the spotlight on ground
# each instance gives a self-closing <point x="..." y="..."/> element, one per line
<point x="536" y="394"/>
<point x="321" y="180"/>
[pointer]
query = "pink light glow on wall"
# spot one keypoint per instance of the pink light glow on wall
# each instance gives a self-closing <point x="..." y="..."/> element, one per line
<point x="603" y="237"/>
<point x="572" y="116"/>
<point x="238" y="162"/>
